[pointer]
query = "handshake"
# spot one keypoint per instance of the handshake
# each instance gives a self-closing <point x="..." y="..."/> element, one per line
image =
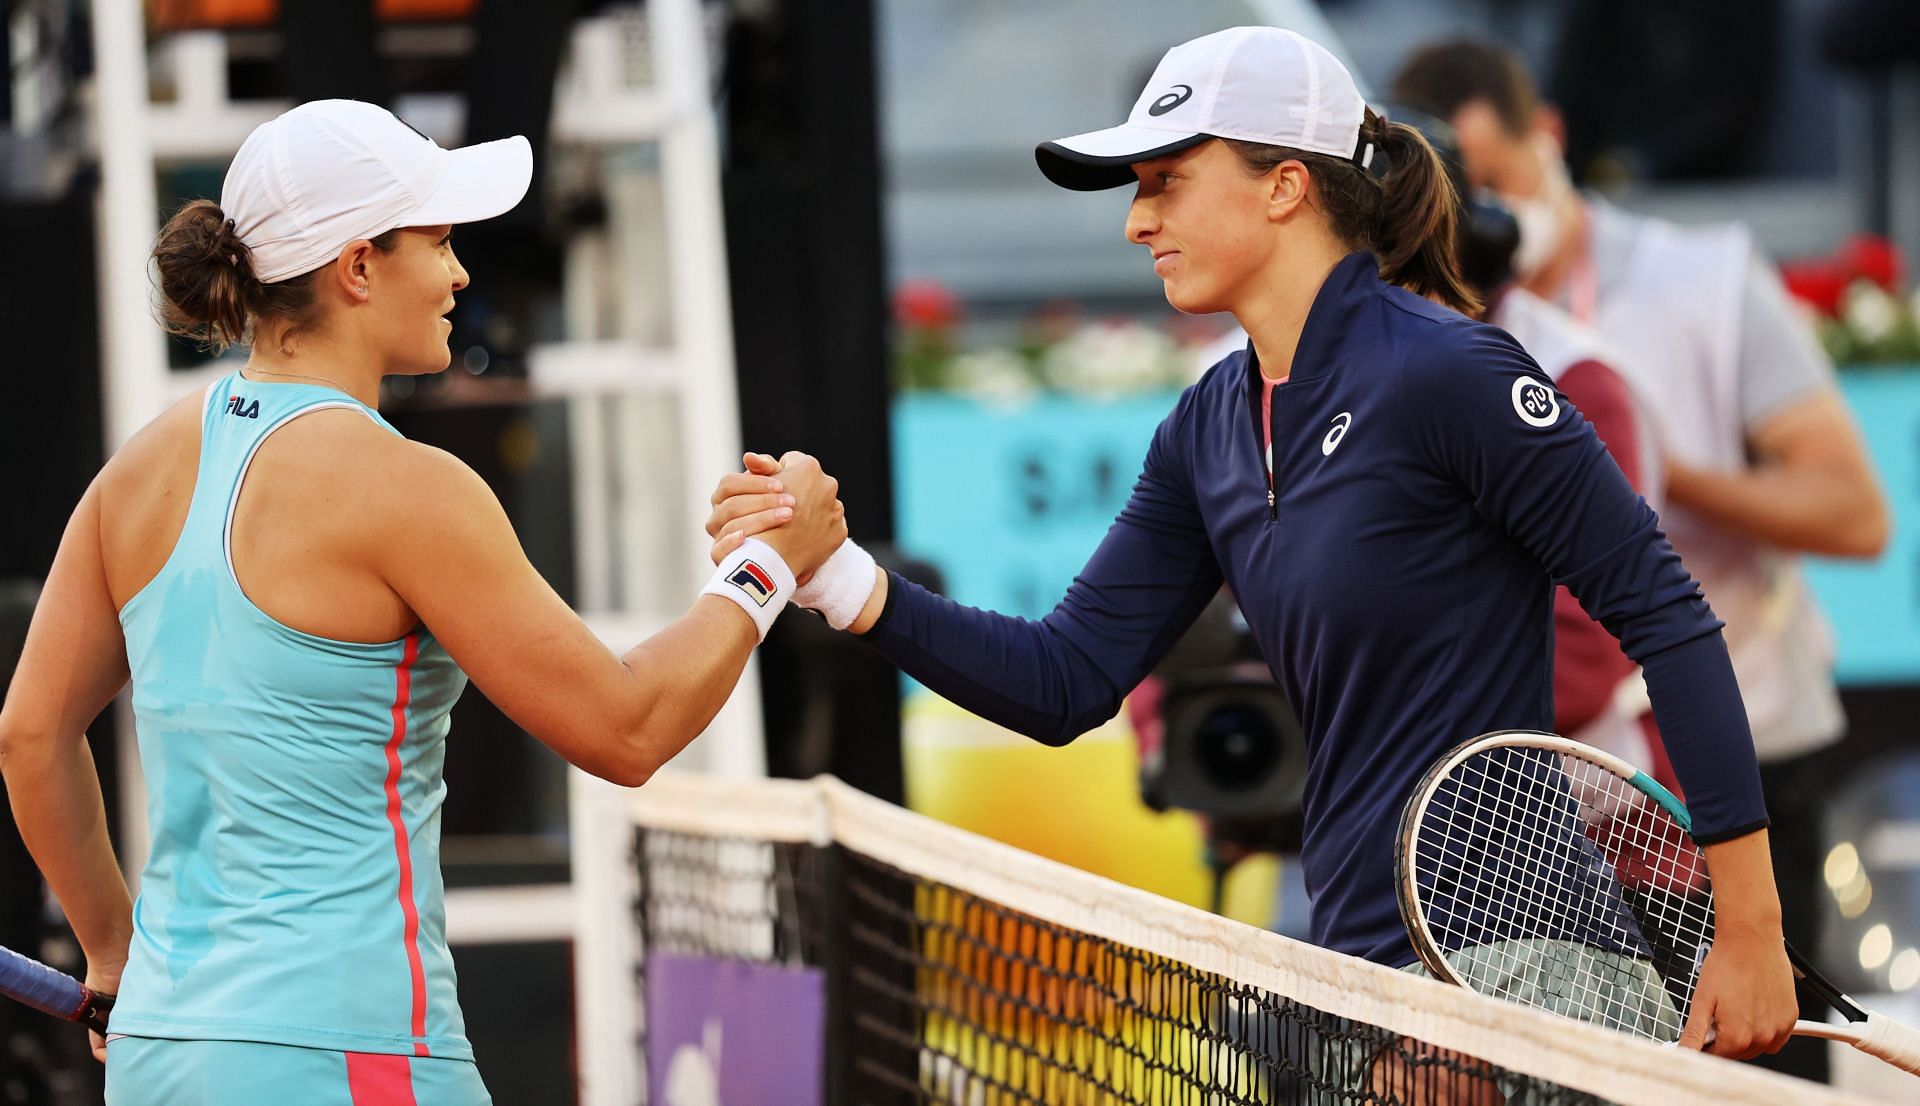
<point x="793" y="507"/>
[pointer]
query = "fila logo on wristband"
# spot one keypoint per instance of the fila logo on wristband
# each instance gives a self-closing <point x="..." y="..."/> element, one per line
<point x="755" y="581"/>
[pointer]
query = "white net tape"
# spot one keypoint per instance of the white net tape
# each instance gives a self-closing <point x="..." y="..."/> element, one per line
<point x="1583" y="1057"/>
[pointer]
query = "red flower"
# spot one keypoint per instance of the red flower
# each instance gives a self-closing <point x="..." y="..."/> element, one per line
<point x="925" y="305"/>
<point x="1822" y="281"/>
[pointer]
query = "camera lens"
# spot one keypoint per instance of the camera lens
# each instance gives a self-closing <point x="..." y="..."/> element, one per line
<point x="1237" y="747"/>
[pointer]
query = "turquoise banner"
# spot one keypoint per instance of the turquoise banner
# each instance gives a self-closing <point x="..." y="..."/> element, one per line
<point x="1875" y="606"/>
<point x="1009" y="503"/>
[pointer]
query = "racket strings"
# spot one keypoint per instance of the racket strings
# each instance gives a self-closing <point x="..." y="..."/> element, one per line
<point x="1535" y="907"/>
<point x="1530" y="877"/>
<point x="1552" y="881"/>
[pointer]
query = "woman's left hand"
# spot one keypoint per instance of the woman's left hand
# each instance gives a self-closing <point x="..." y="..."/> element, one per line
<point x="1744" y="1003"/>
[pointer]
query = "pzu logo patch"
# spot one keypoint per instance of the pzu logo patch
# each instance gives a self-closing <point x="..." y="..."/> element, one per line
<point x="1534" y="402"/>
<point x="239" y="407"/>
<point x="753" y="580"/>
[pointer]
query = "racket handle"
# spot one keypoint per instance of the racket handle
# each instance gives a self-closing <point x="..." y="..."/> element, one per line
<point x="1879" y="1036"/>
<point x="51" y="992"/>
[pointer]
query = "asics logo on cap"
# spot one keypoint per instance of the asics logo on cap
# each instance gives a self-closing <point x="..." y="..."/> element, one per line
<point x="1171" y="100"/>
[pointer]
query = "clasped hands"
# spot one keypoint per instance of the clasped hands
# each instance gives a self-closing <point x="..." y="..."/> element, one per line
<point x="789" y="504"/>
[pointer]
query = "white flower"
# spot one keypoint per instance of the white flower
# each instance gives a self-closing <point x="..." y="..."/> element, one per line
<point x="1110" y="359"/>
<point x="998" y="377"/>
<point x="1869" y="311"/>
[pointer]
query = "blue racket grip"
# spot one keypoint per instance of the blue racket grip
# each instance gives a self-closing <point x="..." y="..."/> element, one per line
<point x="51" y="992"/>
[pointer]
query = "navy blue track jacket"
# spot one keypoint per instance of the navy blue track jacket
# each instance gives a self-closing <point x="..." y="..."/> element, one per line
<point x="1430" y="487"/>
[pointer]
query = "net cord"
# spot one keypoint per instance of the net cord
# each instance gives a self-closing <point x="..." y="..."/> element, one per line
<point x="1586" y="1058"/>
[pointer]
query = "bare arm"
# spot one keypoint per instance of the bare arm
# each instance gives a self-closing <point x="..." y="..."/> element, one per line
<point x="1810" y="489"/>
<point x="1745" y="992"/>
<point x="74" y="663"/>
<point x="448" y="550"/>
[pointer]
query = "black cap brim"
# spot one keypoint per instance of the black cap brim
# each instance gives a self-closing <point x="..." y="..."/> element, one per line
<point x="1100" y="160"/>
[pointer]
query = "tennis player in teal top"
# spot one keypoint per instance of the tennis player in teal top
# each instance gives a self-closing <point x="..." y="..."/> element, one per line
<point x="298" y="595"/>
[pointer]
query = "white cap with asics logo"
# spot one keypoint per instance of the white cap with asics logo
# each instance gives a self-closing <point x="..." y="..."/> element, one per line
<point x="1255" y="84"/>
<point x="332" y="172"/>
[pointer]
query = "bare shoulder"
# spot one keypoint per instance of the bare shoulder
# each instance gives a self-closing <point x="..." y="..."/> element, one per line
<point x="142" y="494"/>
<point x="381" y="476"/>
<point x="159" y="451"/>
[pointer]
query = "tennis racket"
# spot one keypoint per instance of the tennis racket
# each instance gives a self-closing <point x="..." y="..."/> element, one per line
<point x="52" y="992"/>
<point x="1547" y="872"/>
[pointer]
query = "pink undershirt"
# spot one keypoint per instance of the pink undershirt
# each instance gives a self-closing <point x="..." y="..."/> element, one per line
<point x="1266" y="421"/>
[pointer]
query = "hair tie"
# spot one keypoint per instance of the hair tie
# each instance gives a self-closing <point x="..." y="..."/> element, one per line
<point x="1370" y="154"/>
<point x="1374" y="160"/>
<point x="233" y="231"/>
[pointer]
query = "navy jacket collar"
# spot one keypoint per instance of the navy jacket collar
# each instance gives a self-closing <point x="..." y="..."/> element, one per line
<point x="1331" y="321"/>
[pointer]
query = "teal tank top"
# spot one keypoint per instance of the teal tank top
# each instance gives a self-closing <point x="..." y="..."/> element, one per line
<point x="293" y="894"/>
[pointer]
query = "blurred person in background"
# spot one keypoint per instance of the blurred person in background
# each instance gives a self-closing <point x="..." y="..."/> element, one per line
<point x="1763" y="461"/>
<point x="299" y="594"/>
<point x="1388" y="487"/>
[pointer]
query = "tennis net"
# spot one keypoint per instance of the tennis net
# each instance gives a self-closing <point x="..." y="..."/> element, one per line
<point x="790" y="942"/>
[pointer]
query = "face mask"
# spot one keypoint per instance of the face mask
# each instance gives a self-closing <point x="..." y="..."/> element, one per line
<point x="1540" y="233"/>
<point x="1539" y="215"/>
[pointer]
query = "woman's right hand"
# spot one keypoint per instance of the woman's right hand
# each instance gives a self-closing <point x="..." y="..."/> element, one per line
<point x="797" y="513"/>
<point x="102" y="979"/>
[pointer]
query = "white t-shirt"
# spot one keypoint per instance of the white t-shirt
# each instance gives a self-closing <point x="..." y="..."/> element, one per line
<point x="1775" y="361"/>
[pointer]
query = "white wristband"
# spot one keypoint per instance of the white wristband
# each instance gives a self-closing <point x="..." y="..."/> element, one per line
<point x="840" y="588"/>
<point x="755" y="577"/>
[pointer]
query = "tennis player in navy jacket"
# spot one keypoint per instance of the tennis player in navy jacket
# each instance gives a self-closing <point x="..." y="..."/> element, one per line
<point x="1389" y="488"/>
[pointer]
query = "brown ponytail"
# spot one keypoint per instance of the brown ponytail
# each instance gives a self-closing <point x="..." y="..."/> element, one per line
<point x="207" y="287"/>
<point x="1406" y="215"/>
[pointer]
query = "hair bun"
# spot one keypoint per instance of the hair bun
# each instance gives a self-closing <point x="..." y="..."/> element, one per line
<point x="205" y="275"/>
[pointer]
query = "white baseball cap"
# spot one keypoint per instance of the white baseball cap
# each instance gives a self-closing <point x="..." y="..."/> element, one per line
<point x="1256" y="84"/>
<point x="331" y="172"/>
